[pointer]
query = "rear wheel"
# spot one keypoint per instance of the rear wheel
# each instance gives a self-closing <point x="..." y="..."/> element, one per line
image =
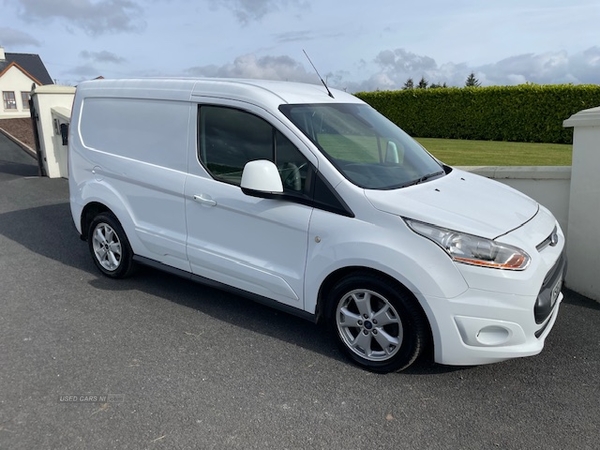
<point x="378" y="325"/>
<point x="109" y="246"/>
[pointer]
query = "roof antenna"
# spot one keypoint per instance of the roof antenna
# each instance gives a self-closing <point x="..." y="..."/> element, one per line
<point x="319" y="75"/>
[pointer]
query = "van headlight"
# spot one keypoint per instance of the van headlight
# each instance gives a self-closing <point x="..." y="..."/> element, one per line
<point x="473" y="250"/>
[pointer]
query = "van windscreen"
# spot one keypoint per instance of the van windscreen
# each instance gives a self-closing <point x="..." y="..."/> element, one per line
<point x="366" y="148"/>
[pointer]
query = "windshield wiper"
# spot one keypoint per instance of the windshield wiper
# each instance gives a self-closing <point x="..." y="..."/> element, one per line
<point x="424" y="178"/>
<point x="429" y="176"/>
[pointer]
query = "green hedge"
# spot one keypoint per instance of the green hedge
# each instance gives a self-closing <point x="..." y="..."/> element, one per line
<point x="524" y="113"/>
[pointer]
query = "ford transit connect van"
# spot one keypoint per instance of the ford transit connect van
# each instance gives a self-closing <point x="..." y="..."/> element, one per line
<point x="315" y="203"/>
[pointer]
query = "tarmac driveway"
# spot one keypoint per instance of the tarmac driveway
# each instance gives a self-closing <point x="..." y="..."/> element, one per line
<point x="159" y="362"/>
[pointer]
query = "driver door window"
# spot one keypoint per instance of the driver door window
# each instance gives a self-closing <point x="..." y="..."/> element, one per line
<point x="229" y="138"/>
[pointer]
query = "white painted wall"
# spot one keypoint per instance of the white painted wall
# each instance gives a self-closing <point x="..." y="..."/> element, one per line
<point x="584" y="204"/>
<point x="16" y="81"/>
<point x="60" y="115"/>
<point x="53" y="105"/>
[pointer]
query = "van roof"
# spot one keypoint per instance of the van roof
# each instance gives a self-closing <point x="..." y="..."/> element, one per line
<point x="261" y="91"/>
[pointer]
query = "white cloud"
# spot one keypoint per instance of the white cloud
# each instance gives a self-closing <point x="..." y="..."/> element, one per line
<point x="247" y="11"/>
<point x="585" y="66"/>
<point x="250" y="66"/>
<point x="102" y="57"/>
<point x="394" y="67"/>
<point x="94" y="17"/>
<point x="546" y="68"/>
<point x="83" y="72"/>
<point x="9" y="37"/>
<point x="306" y="35"/>
<point x="390" y="69"/>
<point x="401" y="61"/>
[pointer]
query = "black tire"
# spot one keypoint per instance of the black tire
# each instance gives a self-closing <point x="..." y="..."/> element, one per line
<point x="109" y="246"/>
<point x="378" y="325"/>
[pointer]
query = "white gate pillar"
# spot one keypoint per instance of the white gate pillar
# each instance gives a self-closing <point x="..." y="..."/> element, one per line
<point x="583" y="238"/>
<point x="53" y="108"/>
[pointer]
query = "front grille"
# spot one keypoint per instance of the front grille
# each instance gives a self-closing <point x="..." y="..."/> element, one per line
<point x="552" y="240"/>
<point x="550" y="289"/>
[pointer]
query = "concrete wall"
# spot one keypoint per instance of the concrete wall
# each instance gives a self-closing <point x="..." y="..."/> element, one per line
<point x="61" y="116"/>
<point x="53" y="106"/>
<point x="584" y="204"/>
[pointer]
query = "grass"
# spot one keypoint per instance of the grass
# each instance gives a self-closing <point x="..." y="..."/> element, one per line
<point x="492" y="153"/>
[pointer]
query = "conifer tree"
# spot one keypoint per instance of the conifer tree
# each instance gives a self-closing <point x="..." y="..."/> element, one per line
<point x="472" y="81"/>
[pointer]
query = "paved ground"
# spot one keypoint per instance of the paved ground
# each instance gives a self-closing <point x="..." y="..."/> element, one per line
<point x="187" y="367"/>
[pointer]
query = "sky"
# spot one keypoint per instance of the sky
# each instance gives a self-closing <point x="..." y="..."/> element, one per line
<point x="355" y="45"/>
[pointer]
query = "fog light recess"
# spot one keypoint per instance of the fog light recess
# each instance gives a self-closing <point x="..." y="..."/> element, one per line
<point x="493" y="335"/>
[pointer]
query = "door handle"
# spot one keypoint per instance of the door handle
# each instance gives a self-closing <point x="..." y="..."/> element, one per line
<point x="205" y="200"/>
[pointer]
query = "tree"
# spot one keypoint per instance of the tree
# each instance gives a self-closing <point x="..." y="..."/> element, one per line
<point x="409" y="84"/>
<point x="472" y="81"/>
<point x="437" y="85"/>
<point x="422" y="83"/>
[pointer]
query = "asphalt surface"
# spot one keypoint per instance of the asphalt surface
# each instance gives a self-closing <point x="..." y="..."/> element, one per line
<point x="184" y="366"/>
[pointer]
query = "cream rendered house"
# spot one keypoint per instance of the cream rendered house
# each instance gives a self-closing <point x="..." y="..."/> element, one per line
<point x="18" y="73"/>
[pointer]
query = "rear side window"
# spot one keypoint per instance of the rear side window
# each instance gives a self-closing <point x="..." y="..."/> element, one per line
<point x="229" y="138"/>
<point x="150" y="131"/>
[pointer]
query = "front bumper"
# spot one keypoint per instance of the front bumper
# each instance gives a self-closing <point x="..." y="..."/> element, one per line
<point x="481" y="328"/>
<point x="503" y="314"/>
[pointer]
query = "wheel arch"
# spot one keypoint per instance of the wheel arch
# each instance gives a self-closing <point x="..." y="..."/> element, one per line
<point x="322" y="309"/>
<point x="88" y="213"/>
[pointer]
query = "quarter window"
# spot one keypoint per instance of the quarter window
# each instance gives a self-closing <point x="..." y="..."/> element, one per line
<point x="9" y="100"/>
<point x="229" y="138"/>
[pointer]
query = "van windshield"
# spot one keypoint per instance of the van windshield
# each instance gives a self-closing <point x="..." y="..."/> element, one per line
<point x="367" y="148"/>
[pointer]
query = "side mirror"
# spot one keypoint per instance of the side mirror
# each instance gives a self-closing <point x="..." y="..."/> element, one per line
<point x="261" y="179"/>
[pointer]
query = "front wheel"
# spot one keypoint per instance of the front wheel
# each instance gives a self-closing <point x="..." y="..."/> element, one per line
<point x="377" y="325"/>
<point x="109" y="246"/>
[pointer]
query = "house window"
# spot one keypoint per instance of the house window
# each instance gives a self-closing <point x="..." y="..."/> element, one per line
<point x="25" y="99"/>
<point x="9" y="100"/>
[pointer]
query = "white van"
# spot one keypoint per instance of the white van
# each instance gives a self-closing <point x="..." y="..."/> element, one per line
<point x="317" y="204"/>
